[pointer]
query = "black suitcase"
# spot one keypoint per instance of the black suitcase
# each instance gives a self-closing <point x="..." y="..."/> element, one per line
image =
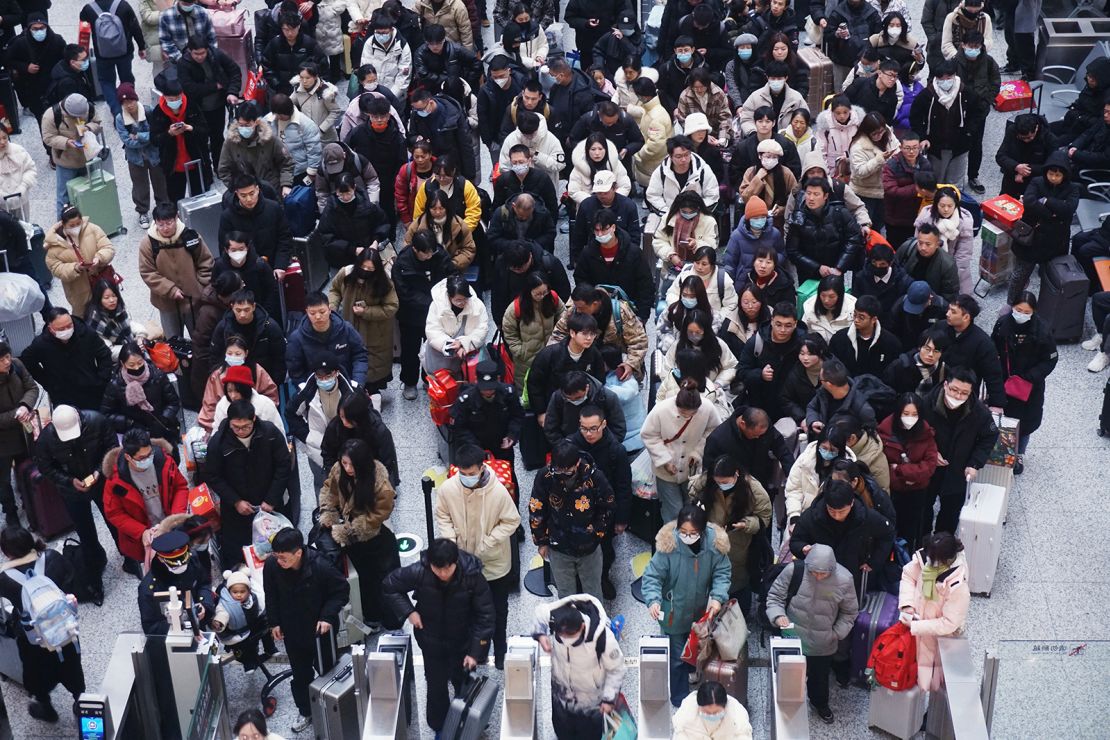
<point x="1063" y="297"/>
<point x="645" y="519"/>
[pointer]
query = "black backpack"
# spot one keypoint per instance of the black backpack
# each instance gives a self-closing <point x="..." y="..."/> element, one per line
<point x="791" y="591"/>
<point x="880" y="396"/>
<point x="86" y="582"/>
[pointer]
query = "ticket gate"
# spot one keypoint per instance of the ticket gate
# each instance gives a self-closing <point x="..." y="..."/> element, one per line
<point x="522" y="686"/>
<point x="956" y="709"/>
<point x="654" y="702"/>
<point x="789" y="712"/>
<point x="383" y="687"/>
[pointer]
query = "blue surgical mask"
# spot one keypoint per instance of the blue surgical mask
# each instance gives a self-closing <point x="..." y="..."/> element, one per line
<point x="744" y="54"/>
<point x="39" y="35"/>
<point x="84" y="65"/>
<point x="246" y="131"/>
<point x="383" y="38"/>
<point x="684" y="58"/>
<point x="759" y="222"/>
<point x="827" y="454"/>
<point x="234" y="360"/>
<point x="946" y="85"/>
<point x="776" y="85"/>
<point x="867" y="68"/>
<point x="1020" y="317"/>
<point x="711" y="717"/>
<point x="423" y="113"/>
<point x="689" y="302"/>
<point x="470" y="481"/>
<point x="185" y="8"/>
<point x="727" y="486"/>
<point x="174" y="105"/>
<point x="972" y="53"/>
<point x="146" y="464"/>
<point x="688" y="216"/>
<point x="327" y="384"/>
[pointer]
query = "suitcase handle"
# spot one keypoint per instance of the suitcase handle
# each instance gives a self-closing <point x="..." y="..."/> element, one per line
<point x="198" y="165"/>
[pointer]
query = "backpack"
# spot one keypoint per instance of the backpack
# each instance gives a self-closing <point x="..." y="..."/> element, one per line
<point x="880" y="396"/>
<point x="189" y="237"/>
<point x="791" y="591"/>
<point x="893" y="659"/>
<point x="87" y="583"/>
<point x="48" y="618"/>
<point x="111" y="37"/>
<point x="617" y="295"/>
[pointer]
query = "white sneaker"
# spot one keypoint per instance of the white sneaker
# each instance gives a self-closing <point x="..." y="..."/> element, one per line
<point x="376" y="401"/>
<point x="1093" y="343"/>
<point x="302" y="724"/>
<point x="1100" y="362"/>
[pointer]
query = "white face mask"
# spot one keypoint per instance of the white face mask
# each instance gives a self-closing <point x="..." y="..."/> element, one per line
<point x="237" y="258"/>
<point x="1020" y="317"/>
<point x="769" y="163"/>
<point x="909" y="421"/>
<point x="952" y="402"/>
<point x="689" y="539"/>
<point x="894" y="32"/>
<point x="177" y="569"/>
<point x="502" y="82"/>
<point x="65" y="334"/>
<point x="73" y="231"/>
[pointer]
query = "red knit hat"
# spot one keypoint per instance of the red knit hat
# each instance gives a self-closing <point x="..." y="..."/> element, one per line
<point x="755" y="207"/>
<point x="240" y="374"/>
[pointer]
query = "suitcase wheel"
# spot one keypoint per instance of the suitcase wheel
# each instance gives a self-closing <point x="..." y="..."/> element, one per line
<point x="269" y="706"/>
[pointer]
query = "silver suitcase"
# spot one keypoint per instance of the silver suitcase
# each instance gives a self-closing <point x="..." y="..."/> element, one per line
<point x="898" y="712"/>
<point x="980" y="531"/>
<point x="201" y="213"/>
<point x="334" y="713"/>
<point x="470" y="711"/>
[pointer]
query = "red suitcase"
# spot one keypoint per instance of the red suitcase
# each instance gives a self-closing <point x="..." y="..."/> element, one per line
<point x="46" y="512"/>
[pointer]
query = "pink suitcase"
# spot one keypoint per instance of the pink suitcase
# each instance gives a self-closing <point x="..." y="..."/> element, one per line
<point x="229" y="22"/>
<point x="239" y="48"/>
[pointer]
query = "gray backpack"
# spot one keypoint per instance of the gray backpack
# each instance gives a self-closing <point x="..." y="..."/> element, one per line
<point x="111" y="37"/>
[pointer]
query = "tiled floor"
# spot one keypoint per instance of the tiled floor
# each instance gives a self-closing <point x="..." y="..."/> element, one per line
<point x="1052" y="583"/>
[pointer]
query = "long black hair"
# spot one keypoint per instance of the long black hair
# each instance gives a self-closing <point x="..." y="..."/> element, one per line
<point x="597" y="138"/>
<point x="741" y="501"/>
<point x="358" y="488"/>
<point x="709" y="346"/>
<point x="532" y="281"/>
<point x="677" y="314"/>
<point x="376" y="279"/>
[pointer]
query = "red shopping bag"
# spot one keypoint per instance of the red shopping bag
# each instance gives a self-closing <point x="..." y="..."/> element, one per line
<point x="1014" y="95"/>
<point x="503" y="469"/>
<point x="255" y="87"/>
<point x="697" y="644"/>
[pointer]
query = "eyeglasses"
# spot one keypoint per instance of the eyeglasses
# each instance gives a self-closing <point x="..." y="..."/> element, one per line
<point x="783" y="325"/>
<point x="889" y="75"/>
<point x="957" y="392"/>
<point x="589" y="430"/>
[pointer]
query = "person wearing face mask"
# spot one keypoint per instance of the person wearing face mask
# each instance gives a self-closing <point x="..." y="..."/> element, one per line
<point x="380" y="141"/>
<point x="238" y="384"/>
<point x="256" y="328"/>
<point x="521" y="176"/>
<point x="895" y="41"/>
<point x="32" y="56"/>
<point x="944" y="114"/>
<point x="744" y="72"/>
<point x="77" y="252"/>
<point x="812" y="468"/>
<point x="69" y="360"/>
<point x="850" y="24"/>
<point x="965" y="434"/>
<point x="623" y="41"/>
<point x="910" y="447"/>
<point x="390" y="54"/>
<point x="753" y="232"/>
<point x="711" y="714"/>
<point x="173" y="565"/>
<point x="349" y="225"/>
<point x="610" y="258"/>
<point x="503" y="83"/>
<point x="314" y="407"/>
<point x="143" y="489"/>
<point x="1027" y="350"/>
<point x="933" y="599"/>
<point x="239" y="259"/>
<point x="770" y="181"/>
<point x="176" y="265"/>
<point x="132" y="124"/>
<point x="456" y="325"/>
<point x="688" y="575"/>
<point x="252" y="146"/>
<point x="180" y="131"/>
<point x="577" y="391"/>
<point x="247" y="467"/>
<point x="777" y="94"/>
<point x="364" y="295"/>
<point x="140" y="396"/>
<point x="70" y="76"/>
<point x="547" y="153"/>
<point x="979" y="71"/>
<point x="488" y="415"/>
<point x="298" y="133"/>
<point x="688" y="226"/>
<point x="968" y="16"/>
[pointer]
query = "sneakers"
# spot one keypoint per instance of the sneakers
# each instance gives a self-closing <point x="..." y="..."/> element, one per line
<point x="825" y="714"/>
<point x="1099" y="363"/>
<point x="409" y="393"/>
<point x="376" y="401"/>
<point x="608" y="590"/>
<point x="976" y="186"/>
<point x="42" y="711"/>
<point x="144" y="221"/>
<point x="133" y="567"/>
<point x="302" y="723"/>
<point x="1019" y="465"/>
<point x="1092" y="344"/>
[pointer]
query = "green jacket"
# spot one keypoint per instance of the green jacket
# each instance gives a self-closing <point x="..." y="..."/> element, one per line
<point x="682" y="582"/>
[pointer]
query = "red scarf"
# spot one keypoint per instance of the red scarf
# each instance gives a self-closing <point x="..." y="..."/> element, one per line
<point x="179" y="117"/>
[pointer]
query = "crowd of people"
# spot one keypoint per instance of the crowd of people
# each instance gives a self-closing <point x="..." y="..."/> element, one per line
<point x="791" y="284"/>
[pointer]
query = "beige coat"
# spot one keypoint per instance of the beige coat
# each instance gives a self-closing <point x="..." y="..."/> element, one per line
<point x="664" y="422"/>
<point x="739" y="539"/>
<point x="525" y="340"/>
<point x="375" y="325"/>
<point x="822" y="324"/>
<point x="322" y="105"/>
<point x="867" y="160"/>
<point x="803" y="485"/>
<point x="480" y="521"/>
<point x="761" y="97"/>
<point x="186" y="269"/>
<point x="337" y="512"/>
<point x="869" y="450"/>
<point x="943" y="616"/>
<point x="688" y="725"/>
<point x="56" y="137"/>
<point x="452" y="16"/>
<point x="61" y="260"/>
<point x="705" y="234"/>
<point x="656" y="127"/>
<point x="461" y="247"/>
<point x="17" y="176"/>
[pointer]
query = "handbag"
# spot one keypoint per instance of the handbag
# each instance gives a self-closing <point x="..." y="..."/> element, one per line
<point x="107" y="272"/>
<point x="700" y="642"/>
<point x="619" y="723"/>
<point x="730" y="633"/>
<point x="162" y="356"/>
<point x="255" y="87"/>
<point x="1022" y="233"/>
<point x="1017" y="386"/>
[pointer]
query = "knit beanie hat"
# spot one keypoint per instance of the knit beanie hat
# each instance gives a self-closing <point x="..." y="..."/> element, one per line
<point x="755" y="207"/>
<point x="236" y="578"/>
<point x="75" y="106"/>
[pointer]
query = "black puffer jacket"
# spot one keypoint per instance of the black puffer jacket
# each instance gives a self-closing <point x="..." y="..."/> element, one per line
<point x="266" y="226"/>
<point x="375" y="434"/>
<point x="297" y="599"/>
<point x="760" y="351"/>
<point x="281" y="62"/>
<point x="502" y="228"/>
<point x="1014" y="151"/>
<point x="973" y="349"/>
<point x="1049" y="209"/>
<point x="552" y="364"/>
<point x="160" y="393"/>
<point x="257" y="276"/>
<point x="1086" y="110"/>
<point x="413" y="280"/>
<point x="830" y="236"/>
<point x="457" y="615"/>
<point x="965" y="437"/>
<point x="945" y="128"/>
<point x="797" y="392"/>
<point x="195" y="580"/>
<point x="862" y="19"/>
<point x="264" y="337"/>
<point x="570" y="103"/>
<point x="1029" y="351"/>
<point x="430" y="70"/>
<point x="562" y="415"/>
<point x="864" y="538"/>
<point x="73" y="372"/>
<point x="628" y="271"/>
<point x="449" y="132"/>
<point x="344" y="227"/>
<point x="210" y="84"/>
<point x="757" y="456"/>
<point x="571" y="516"/>
<point x="256" y="474"/>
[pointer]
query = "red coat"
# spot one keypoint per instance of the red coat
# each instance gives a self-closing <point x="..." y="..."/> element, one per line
<point x="920" y="451"/>
<point x="123" y="503"/>
<point x="404" y="191"/>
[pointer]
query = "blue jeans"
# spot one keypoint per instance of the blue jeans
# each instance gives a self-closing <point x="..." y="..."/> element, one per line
<point x="106" y="70"/>
<point x="680" y="672"/>
<point x="61" y="195"/>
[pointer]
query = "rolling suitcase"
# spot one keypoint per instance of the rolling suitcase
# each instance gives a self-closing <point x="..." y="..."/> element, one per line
<point x="240" y="48"/>
<point x="470" y="711"/>
<point x="201" y="213"/>
<point x="1104" y="417"/>
<point x="878" y="612"/>
<point x="46" y="512"/>
<point x="1063" y="297"/>
<point x="300" y="210"/>
<point x="981" y="532"/>
<point x="898" y="712"/>
<point x="332" y="695"/>
<point x="97" y="197"/>
<point x="732" y="674"/>
<point x="820" y="77"/>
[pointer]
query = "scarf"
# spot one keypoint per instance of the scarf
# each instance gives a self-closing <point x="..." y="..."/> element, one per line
<point x="947" y="98"/>
<point x="929" y="575"/>
<point x="684" y="230"/>
<point x="133" y="392"/>
<point x="949" y="228"/>
<point x="182" y="153"/>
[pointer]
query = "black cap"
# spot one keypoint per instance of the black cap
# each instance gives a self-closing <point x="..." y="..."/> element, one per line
<point x="171" y="543"/>
<point x="326" y="363"/>
<point x="488" y="377"/>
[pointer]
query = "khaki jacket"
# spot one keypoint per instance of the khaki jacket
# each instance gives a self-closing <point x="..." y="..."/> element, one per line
<point x="480" y="521"/>
<point x="61" y="260"/>
<point x="187" y="267"/>
<point x="347" y="525"/>
<point x="56" y="137"/>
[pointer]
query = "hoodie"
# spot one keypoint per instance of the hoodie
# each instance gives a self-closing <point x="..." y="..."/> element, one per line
<point x="479" y="520"/>
<point x="823" y="611"/>
<point x="1049" y="209"/>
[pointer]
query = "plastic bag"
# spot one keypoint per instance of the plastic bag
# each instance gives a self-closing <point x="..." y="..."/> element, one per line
<point x="20" y="296"/>
<point x="266" y="524"/>
<point x="643" y="476"/>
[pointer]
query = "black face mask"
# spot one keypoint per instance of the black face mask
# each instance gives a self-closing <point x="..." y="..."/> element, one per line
<point x="140" y="371"/>
<point x="363" y="274"/>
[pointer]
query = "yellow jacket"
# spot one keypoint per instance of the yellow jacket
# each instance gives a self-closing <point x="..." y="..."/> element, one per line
<point x="473" y="215"/>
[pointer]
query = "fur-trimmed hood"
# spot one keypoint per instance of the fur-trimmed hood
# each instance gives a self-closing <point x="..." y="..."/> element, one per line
<point x="667" y="541"/>
<point x="112" y="456"/>
<point x="264" y="135"/>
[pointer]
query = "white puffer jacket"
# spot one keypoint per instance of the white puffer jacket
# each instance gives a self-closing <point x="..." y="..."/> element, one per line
<point x="18" y="175"/>
<point x="803" y="485"/>
<point x="663" y="188"/>
<point x="469" y="328"/>
<point x="329" y="29"/>
<point x="822" y="324"/>
<point x="581" y="184"/>
<point x="393" y="62"/>
<point x="547" y="152"/>
<point x="685" y="450"/>
<point x="581" y="678"/>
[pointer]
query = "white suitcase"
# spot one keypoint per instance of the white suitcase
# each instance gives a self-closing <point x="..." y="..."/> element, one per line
<point x="1003" y="477"/>
<point x="980" y="531"/>
<point x="898" y="712"/>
